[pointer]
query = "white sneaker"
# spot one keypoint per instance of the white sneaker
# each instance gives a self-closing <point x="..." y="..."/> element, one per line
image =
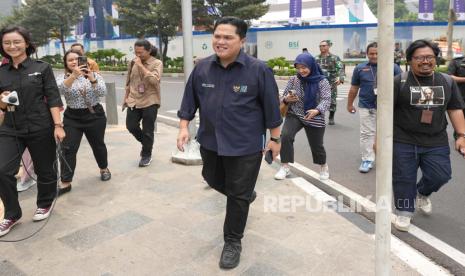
<point x="424" y="204"/>
<point x="282" y="173"/>
<point x="23" y="186"/>
<point x="402" y="223"/>
<point x="324" y="172"/>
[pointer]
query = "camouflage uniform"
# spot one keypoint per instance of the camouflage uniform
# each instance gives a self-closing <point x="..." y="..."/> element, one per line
<point x="333" y="68"/>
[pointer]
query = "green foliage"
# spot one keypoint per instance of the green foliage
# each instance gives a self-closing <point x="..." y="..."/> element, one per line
<point x="279" y="62"/>
<point x="108" y="57"/>
<point x="55" y="59"/>
<point x="441" y="8"/>
<point x="174" y="63"/>
<point x="47" y="19"/>
<point x="205" y="12"/>
<point x="142" y="18"/>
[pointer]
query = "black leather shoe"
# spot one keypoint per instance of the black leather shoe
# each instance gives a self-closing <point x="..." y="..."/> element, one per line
<point x="64" y="190"/>
<point x="231" y="255"/>
<point x="105" y="175"/>
<point x="253" y="197"/>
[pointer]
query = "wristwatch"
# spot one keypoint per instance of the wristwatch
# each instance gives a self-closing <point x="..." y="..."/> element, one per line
<point x="277" y="140"/>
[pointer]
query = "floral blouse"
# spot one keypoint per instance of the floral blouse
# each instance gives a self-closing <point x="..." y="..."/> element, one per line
<point x="81" y="94"/>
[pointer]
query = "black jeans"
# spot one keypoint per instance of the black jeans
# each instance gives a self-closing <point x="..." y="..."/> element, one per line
<point x="145" y="136"/>
<point x="235" y="177"/>
<point x="41" y="145"/>
<point x="78" y="122"/>
<point x="315" y="135"/>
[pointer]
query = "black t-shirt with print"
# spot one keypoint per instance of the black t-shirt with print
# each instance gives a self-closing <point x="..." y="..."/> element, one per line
<point x="413" y="99"/>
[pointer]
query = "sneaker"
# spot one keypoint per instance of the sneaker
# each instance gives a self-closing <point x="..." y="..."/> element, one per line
<point x="105" y="175"/>
<point x="282" y="173"/>
<point x="6" y="225"/>
<point x="24" y="185"/>
<point x="331" y="121"/>
<point x="402" y="223"/>
<point x="42" y="213"/>
<point x="231" y="255"/>
<point x="371" y="164"/>
<point x="145" y="161"/>
<point x="365" y="166"/>
<point x="424" y="204"/>
<point x="324" y="172"/>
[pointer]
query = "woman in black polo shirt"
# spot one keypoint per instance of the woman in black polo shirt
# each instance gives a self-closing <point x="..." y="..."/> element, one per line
<point x="35" y="123"/>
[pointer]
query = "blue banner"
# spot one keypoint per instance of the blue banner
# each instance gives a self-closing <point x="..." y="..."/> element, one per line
<point x="295" y="12"/>
<point x="327" y="11"/>
<point x="426" y="10"/>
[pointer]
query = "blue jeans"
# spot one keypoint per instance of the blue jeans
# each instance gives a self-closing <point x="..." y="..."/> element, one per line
<point x="434" y="163"/>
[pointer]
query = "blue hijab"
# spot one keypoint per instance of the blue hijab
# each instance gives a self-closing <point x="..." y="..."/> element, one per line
<point x="310" y="82"/>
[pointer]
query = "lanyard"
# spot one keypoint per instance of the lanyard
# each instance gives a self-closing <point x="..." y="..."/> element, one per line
<point x="375" y="83"/>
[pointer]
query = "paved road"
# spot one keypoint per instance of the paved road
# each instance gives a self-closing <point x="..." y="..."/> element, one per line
<point x="342" y="144"/>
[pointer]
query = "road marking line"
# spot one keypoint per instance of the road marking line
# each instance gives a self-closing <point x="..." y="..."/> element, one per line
<point x="370" y="206"/>
<point x="409" y="255"/>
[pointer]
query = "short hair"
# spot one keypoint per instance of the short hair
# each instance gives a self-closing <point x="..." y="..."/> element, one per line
<point x="372" y="45"/>
<point x="241" y="25"/>
<point x="66" y="56"/>
<point x="327" y="42"/>
<point x="77" y="44"/>
<point x="421" y="43"/>
<point x="144" y="43"/>
<point x="31" y="48"/>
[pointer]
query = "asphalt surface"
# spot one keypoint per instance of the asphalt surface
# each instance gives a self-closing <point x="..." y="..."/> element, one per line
<point x="447" y="222"/>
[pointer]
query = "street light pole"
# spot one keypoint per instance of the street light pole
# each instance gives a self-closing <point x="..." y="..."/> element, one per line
<point x="191" y="154"/>
<point x="384" y="130"/>
<point x="450" y="30"/>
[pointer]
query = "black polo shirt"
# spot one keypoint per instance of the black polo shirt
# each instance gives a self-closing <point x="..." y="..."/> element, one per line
<point x="457" y="68"/>
<point x="37" y="93"/>
<point x="237" y="104"/>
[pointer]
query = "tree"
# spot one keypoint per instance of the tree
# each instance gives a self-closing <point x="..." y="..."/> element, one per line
<point x="47" y="19"/>
<point x="205" y="12"/>
<point x="142" y="18"/>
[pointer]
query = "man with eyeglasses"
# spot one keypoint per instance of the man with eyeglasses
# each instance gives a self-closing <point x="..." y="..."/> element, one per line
<point x="364" y="83"/>
<point x="334" y="70"/>
<point x="420" y="136"/>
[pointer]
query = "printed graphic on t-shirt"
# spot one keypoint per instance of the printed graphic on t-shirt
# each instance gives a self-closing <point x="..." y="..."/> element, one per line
<point x="422" y="96"/>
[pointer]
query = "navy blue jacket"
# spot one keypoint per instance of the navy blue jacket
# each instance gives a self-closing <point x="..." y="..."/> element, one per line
<point x="364" y="76"/>
<point x="237" y="104"/>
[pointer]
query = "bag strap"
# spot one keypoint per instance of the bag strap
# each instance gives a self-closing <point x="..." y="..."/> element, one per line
<point x="129" y="73"/>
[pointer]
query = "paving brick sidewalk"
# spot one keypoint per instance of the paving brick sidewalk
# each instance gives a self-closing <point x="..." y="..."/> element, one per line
<point x="162" y="220"/>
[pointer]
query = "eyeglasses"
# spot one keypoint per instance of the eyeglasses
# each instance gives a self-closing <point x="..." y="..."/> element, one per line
<point x="423" y="58"/>
<point x="15" y="43"/>
<point x="323" y="45"/>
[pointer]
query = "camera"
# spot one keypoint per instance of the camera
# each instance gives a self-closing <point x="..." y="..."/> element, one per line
<point x="82" y="60"/>
<point x="11" y="98"/>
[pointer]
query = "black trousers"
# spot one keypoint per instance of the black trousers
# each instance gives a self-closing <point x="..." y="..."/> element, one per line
<point x="145" y="135"/>
<point x="315" y="135"/>
<point x="78" y="122"/>
<point x="235" y="177"/>
<point x="42" y="146"/>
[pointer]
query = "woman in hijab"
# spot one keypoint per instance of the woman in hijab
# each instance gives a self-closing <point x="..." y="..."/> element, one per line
<point x="308" y="96"/>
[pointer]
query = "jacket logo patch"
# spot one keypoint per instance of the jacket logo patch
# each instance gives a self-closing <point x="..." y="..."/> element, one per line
<point x="240" y="88"/>
<point x="208" y="85"/>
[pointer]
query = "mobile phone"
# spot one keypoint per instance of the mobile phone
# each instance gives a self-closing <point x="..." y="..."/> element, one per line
<point x="82" y="60"/>
<point x="269" y="157"/>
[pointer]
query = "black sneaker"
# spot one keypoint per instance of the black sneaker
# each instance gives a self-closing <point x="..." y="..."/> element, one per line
<point x="331" y="121"/>
<point x="231" y="255"/>
<point x="105" y="175"/>
<point x="145" y="161"/>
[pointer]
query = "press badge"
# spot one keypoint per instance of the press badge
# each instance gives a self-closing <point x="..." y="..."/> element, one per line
<point x="141" y="88"/>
